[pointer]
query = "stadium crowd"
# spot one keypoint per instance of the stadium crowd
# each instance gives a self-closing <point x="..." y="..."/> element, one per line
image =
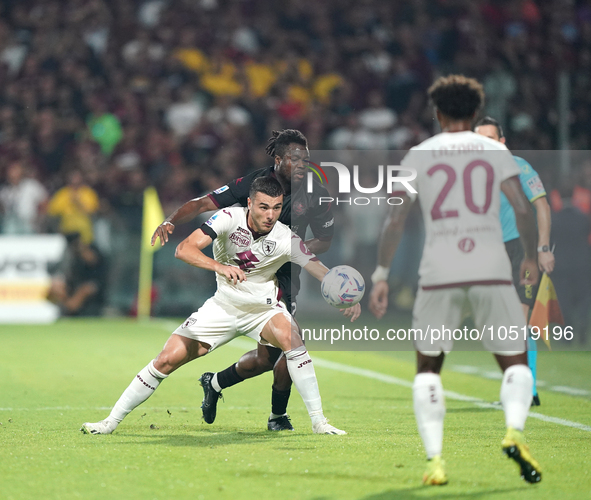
<point x="100" y="98"/>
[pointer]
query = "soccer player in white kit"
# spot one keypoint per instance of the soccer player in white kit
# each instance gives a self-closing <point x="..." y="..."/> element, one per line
<point x="250" y="245"/>
<point x="459" y="178"/>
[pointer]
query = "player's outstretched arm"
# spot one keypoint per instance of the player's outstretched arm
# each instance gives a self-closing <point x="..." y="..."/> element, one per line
<point x="318" y="246"/>
<point x="392" y="232"/>
<point x="526" y="225"/>
<point x="319" y="270"/>
<point x="189" y="251"/>
<point x="544" y="218"/>
<point x="184" y="214"/>
<point x="316" y="269"/>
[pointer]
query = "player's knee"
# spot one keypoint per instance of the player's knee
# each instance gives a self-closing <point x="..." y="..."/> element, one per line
<point x="255" y="366"/>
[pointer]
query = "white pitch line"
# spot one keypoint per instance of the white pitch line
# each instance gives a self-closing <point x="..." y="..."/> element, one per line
<point x="382" y="377"/>
<point x="241" y="343"/>
<point x="496" y="375"/>
<point x="98" y="408"/>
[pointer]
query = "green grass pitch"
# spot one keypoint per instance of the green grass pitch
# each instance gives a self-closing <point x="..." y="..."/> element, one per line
<point x="54" y="378"/>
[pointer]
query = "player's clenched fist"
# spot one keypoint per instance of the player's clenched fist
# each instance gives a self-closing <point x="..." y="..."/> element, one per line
<point x="162" y="232"/>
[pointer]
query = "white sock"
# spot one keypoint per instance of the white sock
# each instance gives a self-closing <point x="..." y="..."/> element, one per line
<point x="429" y="405"/>
<point x="516" y="395"/>
<point x="301" y="370"/>
<point x="215" y="384"/>
<point x="141" y="388"/>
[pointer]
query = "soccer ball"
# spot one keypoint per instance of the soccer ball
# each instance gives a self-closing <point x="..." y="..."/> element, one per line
<point x="342" y="287"/>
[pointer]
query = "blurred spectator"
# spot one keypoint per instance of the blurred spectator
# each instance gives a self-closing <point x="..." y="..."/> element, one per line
<point x="351" y="136"/>
<point x="22" y="202"/>
<point x="79" y="288"/>
<point x="104" y="127"/>
<point x="572" y="273"/>
<point x="128" y="200"/>
<point x="179" y="91"/>
<point x="184" y="114"/>
<point x="226" y="111"/>
<point x="74" y="205"/>
<point x="500" y="86"/>
<point x="578" y="194"/>
<point x="378" y="120"/>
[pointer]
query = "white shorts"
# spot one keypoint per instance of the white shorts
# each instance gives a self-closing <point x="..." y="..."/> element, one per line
<point x="216" y="323"/>
<point x="492" y="306"/>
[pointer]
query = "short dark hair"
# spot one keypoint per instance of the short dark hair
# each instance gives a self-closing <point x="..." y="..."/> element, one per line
<point x="282" y="139"/>
<point x="266" y="185"/>
<point x="457" y="96"/>
<point x="487" y="120"/>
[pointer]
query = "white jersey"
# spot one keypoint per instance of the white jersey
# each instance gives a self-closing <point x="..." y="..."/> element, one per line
<point x="459" y="178"/>
<point x="259" y="256"/>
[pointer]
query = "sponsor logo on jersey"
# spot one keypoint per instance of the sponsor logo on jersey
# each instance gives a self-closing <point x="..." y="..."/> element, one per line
<point x="239" y="239"/>
<point x="525" y="168"/>
<point x="221" y="190"/>
<point x="269" y="246"/>
<point x="466" y="245"/>
<point x="535" y="185"/>
<point x="328" y="223"/>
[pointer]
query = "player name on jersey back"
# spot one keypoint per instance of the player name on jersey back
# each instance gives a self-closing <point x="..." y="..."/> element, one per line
<point x="459" y="178"/>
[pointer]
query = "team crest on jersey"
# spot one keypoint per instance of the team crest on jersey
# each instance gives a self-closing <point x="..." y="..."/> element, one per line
<point x="298" y="208"/>
<point x="269" y="247"/>
<point x="466" y="245"/>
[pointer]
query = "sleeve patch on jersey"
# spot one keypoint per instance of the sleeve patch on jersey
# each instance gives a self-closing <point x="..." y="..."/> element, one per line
<point x="221" y="190"/>
<point x="328" y="223"/>
<point x="211" y="219"/>
<point x="535" y="185"/>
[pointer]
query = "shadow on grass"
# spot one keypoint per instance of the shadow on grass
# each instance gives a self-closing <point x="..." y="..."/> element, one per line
<point x="323" y="476"/>
<point x="194" y="436"/>
<point x="423" y="492"/>
<point x="472" y="409"/>
<point x="411" y="493"/>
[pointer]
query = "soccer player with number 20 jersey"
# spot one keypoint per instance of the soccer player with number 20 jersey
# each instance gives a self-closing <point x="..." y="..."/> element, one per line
<point x="460" y="176"/>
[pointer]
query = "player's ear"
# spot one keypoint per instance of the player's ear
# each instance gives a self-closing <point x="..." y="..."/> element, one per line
<point x="439" y="117"/>
<point x="502" y="140"/>
<point x="249" y="203"/>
